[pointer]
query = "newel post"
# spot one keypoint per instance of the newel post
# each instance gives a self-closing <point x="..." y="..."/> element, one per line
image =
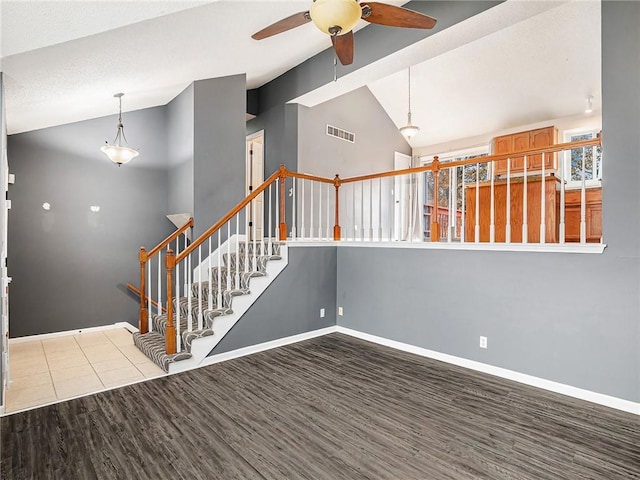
<point x="143" y="318"/>
<point x="336" y="228"/>
<point x="282" y="220"/>
<point x="435" y="227"/>
<point x="170" y="335"/>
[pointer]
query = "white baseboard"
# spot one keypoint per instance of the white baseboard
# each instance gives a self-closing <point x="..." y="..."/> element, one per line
<point x="589" y="396"/>
<point x="44" y="336"/>
<point x="261" y="347"/>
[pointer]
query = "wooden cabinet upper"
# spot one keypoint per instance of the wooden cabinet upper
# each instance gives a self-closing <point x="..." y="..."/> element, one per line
<point x="521" y="141"/>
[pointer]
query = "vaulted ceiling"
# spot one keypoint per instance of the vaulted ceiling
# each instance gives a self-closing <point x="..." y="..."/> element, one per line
<point x="517" y="62"/>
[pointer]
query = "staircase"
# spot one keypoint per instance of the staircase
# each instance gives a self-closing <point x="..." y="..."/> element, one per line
<point x="209" y="303"/>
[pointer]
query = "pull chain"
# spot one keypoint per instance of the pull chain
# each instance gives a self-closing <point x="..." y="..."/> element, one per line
<point x="335" y="68"/>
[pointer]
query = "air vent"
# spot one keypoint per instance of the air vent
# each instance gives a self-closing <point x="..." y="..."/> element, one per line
<point x="341" y="134"/>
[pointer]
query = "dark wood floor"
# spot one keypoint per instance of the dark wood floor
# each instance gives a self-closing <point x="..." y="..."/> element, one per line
<point x="329" y="408"/>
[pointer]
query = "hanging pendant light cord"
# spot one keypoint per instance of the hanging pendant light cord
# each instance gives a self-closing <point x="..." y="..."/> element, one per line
<point x="409" y="70"/>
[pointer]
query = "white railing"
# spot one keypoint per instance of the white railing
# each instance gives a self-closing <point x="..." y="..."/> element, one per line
<point x="460" y="201"/>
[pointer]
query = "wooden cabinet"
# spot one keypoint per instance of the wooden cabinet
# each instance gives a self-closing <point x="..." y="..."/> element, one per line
<point x="572" y="209"/>
<point x="572" y="214"/>
<point x="518" y="142"/>
<point x="534" y="217"/>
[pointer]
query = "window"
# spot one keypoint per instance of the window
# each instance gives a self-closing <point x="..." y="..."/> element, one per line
<point x="573" y="160"/>
<point x="450" y="189"/>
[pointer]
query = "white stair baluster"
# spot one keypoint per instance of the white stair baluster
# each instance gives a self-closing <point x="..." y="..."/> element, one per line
<point x="380" y="209"/>
<point x="492" y="214"/>
<point x="411" y="206"/>
<point x="583" y="199"/>
<point x="477" y="227"/>
<point x="453" y="211"/>
<point x="228" y="254"/>
<point x="269" y="232"/>
<point x="543" y="206"/>
<point x="189" y="285"/>
<point x="311" y="210"/>
<point x="159" y="282"/>
<point x="371" y="210"/>
<point x="149" y="295"/>
<point x="319" y="211"/>
<point x="562" y="193"/>
<point x="328" y="237"/>
<point x="247" y="215"/>
<point x="176" y="302"/>
<point x="463" y="226"/>
<point x="210" y="273"/>
<point x="254" y="235"/>
<point x="237" y="270"/>
<point x="219" y="272"/>
<point x="355" y="225"/>
<point x="294" y="213"/>
<point x="362" y="211"/>
<point x="525" y="226"/>
<point x="302" y="227"/>
<point x="199" y="287"/>
<point x="507" y="226"/>
<point x="184" y="286"/>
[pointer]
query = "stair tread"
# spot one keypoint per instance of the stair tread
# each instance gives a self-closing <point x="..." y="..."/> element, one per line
<point x="152" y="344"/>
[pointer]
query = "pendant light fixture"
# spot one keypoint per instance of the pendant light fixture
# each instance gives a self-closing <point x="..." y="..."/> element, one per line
<point x="119" y="152"/>
<point x="409" y="130"/>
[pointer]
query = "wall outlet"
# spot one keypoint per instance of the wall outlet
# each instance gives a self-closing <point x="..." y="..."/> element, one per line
<point x="340" y="311"/>
<point x="322" y="313"/>
<point x="483" y="342"/>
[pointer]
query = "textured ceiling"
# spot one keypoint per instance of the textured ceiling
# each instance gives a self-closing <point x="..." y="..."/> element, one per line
<point x="517" y="63"/>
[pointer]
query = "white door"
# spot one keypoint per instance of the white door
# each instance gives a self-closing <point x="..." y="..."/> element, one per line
<point x="401" y="197"/>
<point x="255" y="178"/>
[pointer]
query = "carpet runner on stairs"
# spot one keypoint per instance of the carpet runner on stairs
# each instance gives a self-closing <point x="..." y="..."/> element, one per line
<point x="234" y="276"/>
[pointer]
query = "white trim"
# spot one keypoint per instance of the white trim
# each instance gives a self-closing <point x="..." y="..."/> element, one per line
<point x="592" y="248"/>
<point x="589" y="396"/>
<point x="44" y="336"/>
<point x="261" y="347"/>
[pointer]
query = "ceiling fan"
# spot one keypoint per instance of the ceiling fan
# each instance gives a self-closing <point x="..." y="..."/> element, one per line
<point x="338" y="17"/>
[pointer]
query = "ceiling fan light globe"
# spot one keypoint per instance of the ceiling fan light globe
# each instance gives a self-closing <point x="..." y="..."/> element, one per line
<point x="119" y="154"/>
<point x="326" y="14"/>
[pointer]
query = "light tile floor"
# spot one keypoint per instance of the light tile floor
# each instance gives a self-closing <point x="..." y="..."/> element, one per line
<point x="44" y="371"/>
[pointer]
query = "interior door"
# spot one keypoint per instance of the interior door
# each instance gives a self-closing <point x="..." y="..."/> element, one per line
<point x="255" y="178"/>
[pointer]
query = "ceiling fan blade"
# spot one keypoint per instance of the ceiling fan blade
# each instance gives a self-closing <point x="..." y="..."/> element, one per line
<point x="343" y="45"/>
<point x="383" y="14"/>
<point x="283" y="25"/>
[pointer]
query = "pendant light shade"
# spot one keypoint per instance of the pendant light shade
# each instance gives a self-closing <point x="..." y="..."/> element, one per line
<point x="409" y="130"/>
<point x="119" y="152"/>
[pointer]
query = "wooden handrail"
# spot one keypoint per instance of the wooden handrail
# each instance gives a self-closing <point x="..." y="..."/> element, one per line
<point x="136" y="290"/>
<point x="306" y="176"/>
<point x="170" y="238"/>
<point x="220" y="223"/>
<point x="471" y="161"/>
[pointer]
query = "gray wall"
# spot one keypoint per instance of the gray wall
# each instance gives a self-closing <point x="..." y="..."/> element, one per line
<point x="180" y="118"/>
<point x="293" y="302"/>
<point x="68" y="264"/>
<point x="219" y="148"/>
<point x="377" y="137"/>
<point x="574" y="319"/>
